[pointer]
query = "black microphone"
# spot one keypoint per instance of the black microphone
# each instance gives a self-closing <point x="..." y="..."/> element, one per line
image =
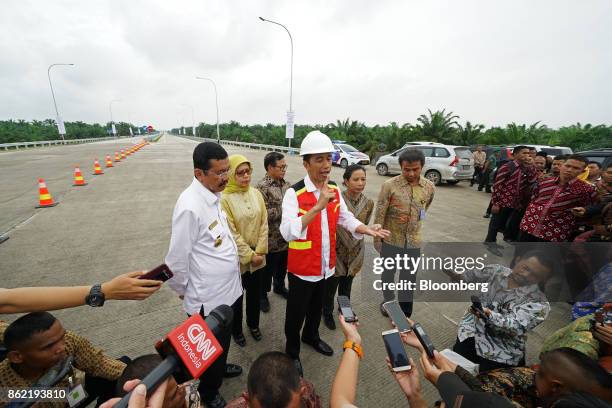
<point x="188" y="350"/>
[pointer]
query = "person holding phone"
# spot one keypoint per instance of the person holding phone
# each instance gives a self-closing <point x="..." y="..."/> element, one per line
<point x="128" y="286"/>
<point x="349" y="251"/>
<point x="248" y="220"/>
<point x="493" y="333"/>
<point x="312" y="210"/>
<point x="344" y="387"/>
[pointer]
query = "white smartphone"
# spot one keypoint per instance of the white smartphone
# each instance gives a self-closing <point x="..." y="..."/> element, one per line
<point x="395" y="350"/>
<point x="397" y="316"/>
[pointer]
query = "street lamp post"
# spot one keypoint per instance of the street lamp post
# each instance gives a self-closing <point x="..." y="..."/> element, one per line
<point x="60" y="123"/>
<point x="289" y="133"/>
<point x="216" y="102"/>
<point x="192" y="118"/>
<point x="110" y="108"/>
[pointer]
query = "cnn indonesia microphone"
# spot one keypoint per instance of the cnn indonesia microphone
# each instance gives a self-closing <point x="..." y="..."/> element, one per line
<point x="188" y="350"/>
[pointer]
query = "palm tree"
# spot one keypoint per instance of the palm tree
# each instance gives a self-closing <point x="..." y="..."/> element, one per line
<point x="439" y="126"/>
<point x="469" y="135"/>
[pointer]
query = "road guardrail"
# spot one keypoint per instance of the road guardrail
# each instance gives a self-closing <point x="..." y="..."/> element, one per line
<point x="257" y="146"/>
<point x="25" y="145"/>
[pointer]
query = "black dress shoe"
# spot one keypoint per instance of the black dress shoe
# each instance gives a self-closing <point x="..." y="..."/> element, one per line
<point x="264" y="304"/>
<point x="232" y="370"/>
<point x="216" y="402"/>
<point x="487" y="215"/>
<point x="282" y="291"/>
<point x="298" y="366"/>
<point x="328" y="319"/>
<point x="320" y="346"/>
<point x="383" y="311"/>
<point x="239" y="339"/>
<point x="256" y="333"/>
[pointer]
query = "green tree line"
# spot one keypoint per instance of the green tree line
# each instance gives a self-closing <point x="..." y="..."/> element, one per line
<point x="434" y="126"/>
<point x="12" y="131"/>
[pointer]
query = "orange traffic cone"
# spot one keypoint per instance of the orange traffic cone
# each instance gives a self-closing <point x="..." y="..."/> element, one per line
<point x="109" y="162"/>
<point x="128" y="152"/>
<point x="44" y="198"/>
<point x="122" y="154"/>
<point x="97" y="168"/>
<point x="117" y="158"/>
<point x="78" y="177"/>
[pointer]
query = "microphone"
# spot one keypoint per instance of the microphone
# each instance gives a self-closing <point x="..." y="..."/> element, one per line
<point x="188" y="350"/>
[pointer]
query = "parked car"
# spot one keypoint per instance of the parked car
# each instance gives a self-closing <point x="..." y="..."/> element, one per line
<point x="551" y="151"/>
<point x="603" y="156"/>
<point x="345" y="155"/>
<point x="422" y="144"/>
<point x="442" y="163"/>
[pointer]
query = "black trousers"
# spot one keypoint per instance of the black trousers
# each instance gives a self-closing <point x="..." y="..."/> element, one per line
<point x="477" y="176"/>
<point x="484" y="180"/>
<point x="304" y="308"/>
<point x="405" y="297"/>
<point x="251" y="282"/>
<point x="514" y="223"/>
<point x="498" y="223"/>
<point x="343" y="284"/>
<point x="467" y="348"/>
<point x="212" y="379"/>
<point x="273" y="275"/>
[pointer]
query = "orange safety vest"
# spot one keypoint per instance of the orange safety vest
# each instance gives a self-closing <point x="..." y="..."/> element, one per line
<point x="305" y="254"/>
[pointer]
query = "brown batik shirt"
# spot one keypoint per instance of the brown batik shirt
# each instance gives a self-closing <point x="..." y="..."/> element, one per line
<point x="399" y="209"/>
<point x="273" y="192"/>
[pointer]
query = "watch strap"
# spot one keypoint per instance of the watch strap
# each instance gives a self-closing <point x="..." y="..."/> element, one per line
<point x="96" y="290"/>
<point x="353" y="346"/>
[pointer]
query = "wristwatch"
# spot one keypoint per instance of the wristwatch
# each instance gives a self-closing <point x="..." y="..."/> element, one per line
<point x="96" y="296"/>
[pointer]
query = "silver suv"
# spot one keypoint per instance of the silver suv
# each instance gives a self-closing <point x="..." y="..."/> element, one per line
<point x="442" y="163"/>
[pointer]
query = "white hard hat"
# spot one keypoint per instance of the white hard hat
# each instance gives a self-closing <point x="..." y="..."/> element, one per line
<point x="316" y="142"/>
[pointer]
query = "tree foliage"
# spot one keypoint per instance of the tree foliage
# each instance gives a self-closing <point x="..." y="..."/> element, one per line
<point x="435" y="126"/>
<point x="12" y="131"/>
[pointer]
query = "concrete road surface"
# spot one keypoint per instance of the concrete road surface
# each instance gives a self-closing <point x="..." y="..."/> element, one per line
<point x="121" y="222"/>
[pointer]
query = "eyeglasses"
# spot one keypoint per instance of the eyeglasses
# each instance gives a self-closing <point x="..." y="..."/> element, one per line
<point x="221" y="174"/>
<point x="244" y="172"/>
<point x="282" y="168"/>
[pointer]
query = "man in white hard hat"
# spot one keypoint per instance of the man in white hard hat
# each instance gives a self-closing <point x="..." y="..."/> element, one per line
<point x="311" y="210"/>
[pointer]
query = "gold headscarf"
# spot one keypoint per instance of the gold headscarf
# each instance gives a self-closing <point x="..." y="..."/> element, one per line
<point x="232" y="185"/>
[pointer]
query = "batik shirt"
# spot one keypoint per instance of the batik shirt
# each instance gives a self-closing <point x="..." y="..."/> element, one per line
<point x="512" y="184"/>
<point x="549" y="214"/>
<point x="273" y="192"/>
<point x="514" y="312"/>
<point x="399" y="208"/>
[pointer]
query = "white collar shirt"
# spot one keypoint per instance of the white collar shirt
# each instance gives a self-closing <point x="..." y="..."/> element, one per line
<point x="291" y="226"/>
<point x="203" y="254"/>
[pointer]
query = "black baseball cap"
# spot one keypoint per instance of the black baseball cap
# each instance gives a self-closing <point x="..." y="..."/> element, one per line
<point x="456" y="394"/>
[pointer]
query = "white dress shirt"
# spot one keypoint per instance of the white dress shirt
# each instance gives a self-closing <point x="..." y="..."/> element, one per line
<point x="291" y="226"/>
<point x="203" y="255"/>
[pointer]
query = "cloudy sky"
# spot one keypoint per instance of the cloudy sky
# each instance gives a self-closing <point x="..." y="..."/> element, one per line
<point x="489" y="61"/>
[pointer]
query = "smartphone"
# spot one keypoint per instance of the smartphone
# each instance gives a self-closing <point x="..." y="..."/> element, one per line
<point x="160" y="273"/>
<point x="477" y="305"/>
<point x="395" y="350"/>
<point x="397" y="315"/>
<point x="424" y="339"/>
<point x="344" y="307"/>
